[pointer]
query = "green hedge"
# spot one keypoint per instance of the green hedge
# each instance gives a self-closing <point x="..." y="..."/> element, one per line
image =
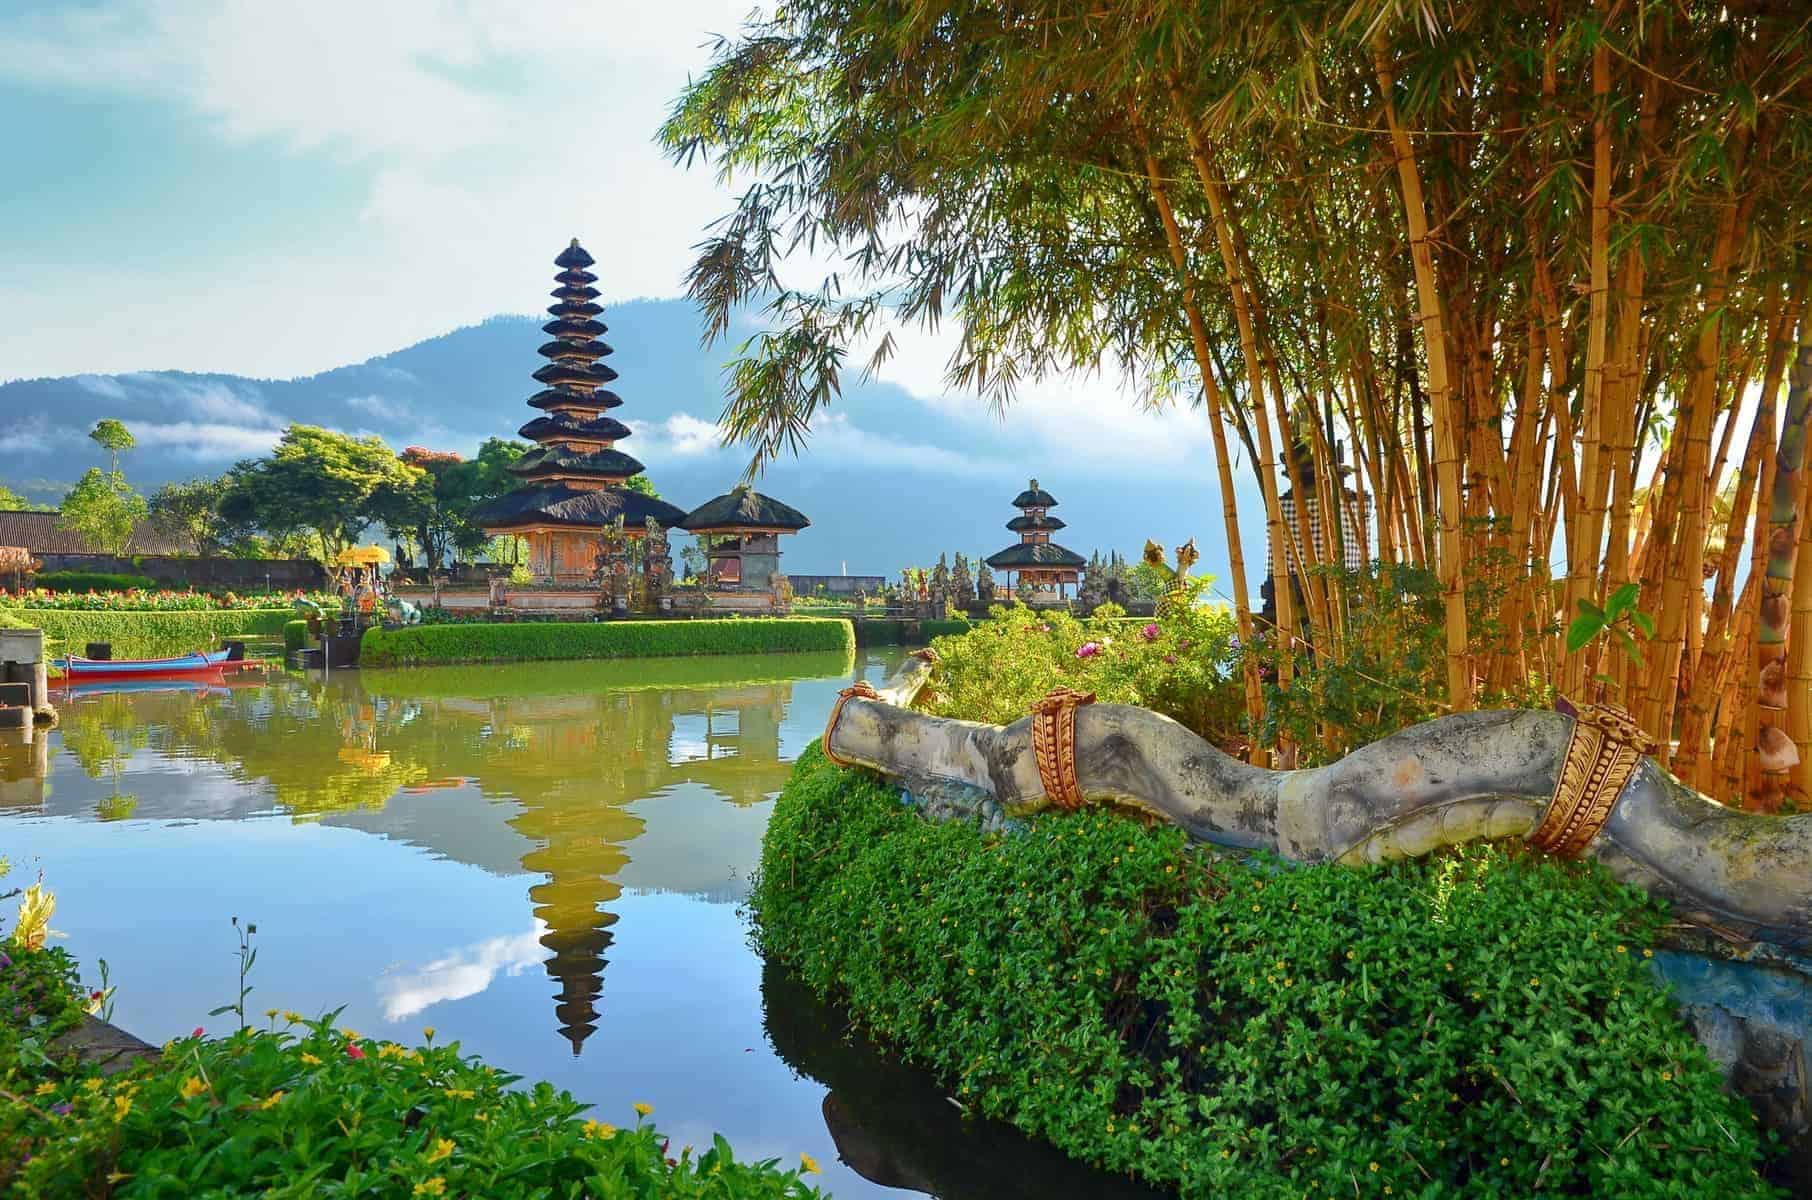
<point x="1478" y="1024"/>
<point x="943" y="627"/>
<point x="92" y="581"/>
<point x="880" y="631"/>
<point x="152" y="634"/>
<point x="295" y="636"/>
<point x="424" y="644"/>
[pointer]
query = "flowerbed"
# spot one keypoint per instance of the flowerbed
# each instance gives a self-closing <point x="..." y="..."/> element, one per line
<point x="1477" y="1024"/>
<point x="300" y="1108"/>
<point x="1183" y="665"/>
<point x="607" y="639"/>
<point x="152" y="599"/>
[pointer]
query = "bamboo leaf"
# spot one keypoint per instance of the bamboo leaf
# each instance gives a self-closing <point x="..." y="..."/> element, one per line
<point x="1584" y="628"/>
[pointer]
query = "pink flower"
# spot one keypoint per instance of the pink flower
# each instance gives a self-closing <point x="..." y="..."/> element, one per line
<point x="1088" y="650"/>
<point x="198" y="1032"/>
<point x="352" y="1051"/>
<point x="1171" y="659"/>
<point x="1150" y="632"/>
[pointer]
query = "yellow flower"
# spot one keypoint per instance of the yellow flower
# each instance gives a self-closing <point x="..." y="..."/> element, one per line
<point x="808" y="1164"/>
<point x="91" y="1085"/>
<point x="118" y="1176"/>
<point x="294" y="1018"/>
<point x="643" y="1110"/>
<point x="1373" y="1167"/>
<point x="599" y="1130"/>
<point x="272" y="1100"/>
<point x="390" y="1050"/>
<point x="44" y="1089"/>
<point x="351" y="1035"/>
<point x="192" y="1087"/>
<point x="431" y="1187"/>
<point x="271" y="1013"/>
<point x="461" y="1093"/>
<point x="481" y="1116"/>
<point x="121" y="1106"/>
<point x="1648" y="954"/>
<point x="1623" y="950"/>
<point x="428" y="1032"/>
<point x="310" y="1059"/>
<point x="443" y="1147"/>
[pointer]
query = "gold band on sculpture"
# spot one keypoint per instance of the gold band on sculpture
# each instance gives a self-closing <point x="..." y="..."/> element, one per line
<point x="861" y="689"/>
<point x="1606" y="747"/>
<point x="1054" y="745"/>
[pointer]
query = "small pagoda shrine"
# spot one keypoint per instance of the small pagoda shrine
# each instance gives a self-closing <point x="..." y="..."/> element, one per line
<point x="1041" y="564"/>
<point x="740" y="531"/>
<point x="572" y="482"/>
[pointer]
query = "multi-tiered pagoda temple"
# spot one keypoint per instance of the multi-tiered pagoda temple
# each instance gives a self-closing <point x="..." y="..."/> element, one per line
<point x="572" y="482"/>
<point x="1038" y="561"/>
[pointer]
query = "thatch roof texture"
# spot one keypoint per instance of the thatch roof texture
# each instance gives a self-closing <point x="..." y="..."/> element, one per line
<point x="745" y="509"/>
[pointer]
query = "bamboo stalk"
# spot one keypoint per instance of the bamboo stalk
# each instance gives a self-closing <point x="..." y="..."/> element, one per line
<point x="1198" y="333"/>
<point x="1446" y="458"/>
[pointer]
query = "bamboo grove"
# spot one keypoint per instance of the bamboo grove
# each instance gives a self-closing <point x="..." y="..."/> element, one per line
<point x="1541" y="264"/>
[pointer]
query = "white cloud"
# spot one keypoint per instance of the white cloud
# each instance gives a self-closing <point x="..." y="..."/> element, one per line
<point x="207" y="441"/>
<point x="104" y="386"/>
<point x="34" y="435"/>
<point x="464" y="972"/>
<point x="381" y="407"/>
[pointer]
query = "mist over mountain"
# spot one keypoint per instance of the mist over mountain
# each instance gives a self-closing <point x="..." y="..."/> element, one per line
<point x="889" y="478"/>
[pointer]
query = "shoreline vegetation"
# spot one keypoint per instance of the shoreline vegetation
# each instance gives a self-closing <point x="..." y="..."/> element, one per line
<point x="148" y="634"/>
<point x="424" y="645"/>
<point x="293" y="1106"/>
<point x="1479" y="1022"/>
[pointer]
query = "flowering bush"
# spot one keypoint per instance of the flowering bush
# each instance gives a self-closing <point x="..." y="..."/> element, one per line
<point x="153" y="600"/>
<point x="300" y="1108"/>
<point x="1182" y="665"/>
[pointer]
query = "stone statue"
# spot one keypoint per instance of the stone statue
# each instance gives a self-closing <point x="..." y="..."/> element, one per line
<point x="962" y="585"/>
<point x="984" y="585"/>
<point x="1093" y="592"/>
<point x="657" y="564"/>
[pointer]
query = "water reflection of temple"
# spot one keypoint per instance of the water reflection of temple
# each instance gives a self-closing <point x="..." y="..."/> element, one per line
<point x="560" y="752"/>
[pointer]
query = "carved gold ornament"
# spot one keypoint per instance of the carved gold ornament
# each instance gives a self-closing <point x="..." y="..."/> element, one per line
<point x="1054" y="744"/>
<point x="1604" y="751"/>
<point x="861" y="689"/>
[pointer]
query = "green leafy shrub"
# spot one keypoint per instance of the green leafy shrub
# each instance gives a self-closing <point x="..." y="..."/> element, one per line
<point x="162" y="600"/>
<point x="1479" y="1024"/>
<point x="1389" y="670"/>
<point x="295" y="636"/>
<point x="609" y="639"/>
<point x="93" y="581"/>
<point x="944" y="627"/>
<point x="1181" y="665"/>
<point x="154" y="634"/>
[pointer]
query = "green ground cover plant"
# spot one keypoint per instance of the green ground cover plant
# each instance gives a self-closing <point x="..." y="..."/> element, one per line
<point x="1477" y="1024"/>
<point x="297" y="1108"/>
<point x="425" y="644"/>
<point x="152" y="634"/>
<point x="155" y="600"/>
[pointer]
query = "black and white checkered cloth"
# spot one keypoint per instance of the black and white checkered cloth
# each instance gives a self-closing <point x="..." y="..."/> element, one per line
<point x="1353" y="550"/>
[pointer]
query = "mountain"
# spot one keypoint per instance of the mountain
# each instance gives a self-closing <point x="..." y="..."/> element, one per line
<point x="890" y="478"/>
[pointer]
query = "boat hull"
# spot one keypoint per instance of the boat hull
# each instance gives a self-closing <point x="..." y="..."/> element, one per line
<point x="78" y="669"/>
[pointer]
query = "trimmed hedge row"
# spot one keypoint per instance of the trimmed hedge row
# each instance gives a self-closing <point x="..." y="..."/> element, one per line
<point x="1476" y="1024"/>
<point x="93" y="581"/>
<point x="892" y="631"/>
<point x="152" y="634"/>
<point x="295" y="636"/>
<point x="425" y="644"/>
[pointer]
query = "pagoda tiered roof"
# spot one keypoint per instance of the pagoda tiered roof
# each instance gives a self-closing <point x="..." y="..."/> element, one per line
<point x="1034" y="550"/>
<point x="574" y="476"/>
<point x="743" y="509"/>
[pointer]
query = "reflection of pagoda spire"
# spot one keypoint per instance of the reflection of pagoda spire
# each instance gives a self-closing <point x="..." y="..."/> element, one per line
<point x="581" y="857"/>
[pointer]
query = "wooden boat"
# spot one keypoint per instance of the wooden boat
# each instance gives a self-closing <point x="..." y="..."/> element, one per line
<point x="76" y="668"/>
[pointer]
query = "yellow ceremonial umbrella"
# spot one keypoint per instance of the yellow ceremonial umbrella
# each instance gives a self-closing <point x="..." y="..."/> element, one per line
<point x="362" y="556"/>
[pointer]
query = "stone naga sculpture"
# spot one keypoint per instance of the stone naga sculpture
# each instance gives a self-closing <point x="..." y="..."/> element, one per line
<point x="1576" y="786"/>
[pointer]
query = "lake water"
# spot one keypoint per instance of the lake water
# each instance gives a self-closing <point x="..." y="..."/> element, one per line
<point x="544" y="861"/>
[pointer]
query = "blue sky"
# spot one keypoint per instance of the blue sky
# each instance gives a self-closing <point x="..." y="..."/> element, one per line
<point x="275" y="189"/>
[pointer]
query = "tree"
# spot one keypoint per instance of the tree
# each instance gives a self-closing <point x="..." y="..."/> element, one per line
<point x="642" y="484"/>
<point x="10" y="499"/>
<point x="189" y="513"/>
<point x="330" y="485"/>
<point x="102" y="508"/>
<point x="113" y="437"/>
